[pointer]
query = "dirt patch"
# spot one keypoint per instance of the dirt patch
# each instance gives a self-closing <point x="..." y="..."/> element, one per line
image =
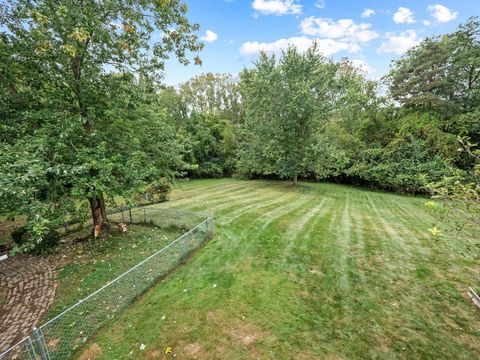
<point x="154" y="354"/>
<point x="53" y="343"/>
<point x="316" y="271"/>
<point x="6" y="228"/>
<point x="235" y="332"/>
<point x="246" y="333"/>
<point x="92" y="353"/>
<point x="194" y="351"/>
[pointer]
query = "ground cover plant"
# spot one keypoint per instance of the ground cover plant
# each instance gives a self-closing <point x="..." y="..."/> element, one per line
<point x="319" y="271"/>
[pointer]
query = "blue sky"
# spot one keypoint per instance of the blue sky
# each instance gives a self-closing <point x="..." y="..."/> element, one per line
<point x="370" y="32"/>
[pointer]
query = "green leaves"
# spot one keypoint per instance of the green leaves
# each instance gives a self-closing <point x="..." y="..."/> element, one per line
<point x="79" y="111"/>
<point x="440" y="74"/>
<point x="286" y="104"/>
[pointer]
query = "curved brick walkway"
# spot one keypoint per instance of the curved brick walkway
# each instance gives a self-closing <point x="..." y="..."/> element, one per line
<point x="31" y="286"/>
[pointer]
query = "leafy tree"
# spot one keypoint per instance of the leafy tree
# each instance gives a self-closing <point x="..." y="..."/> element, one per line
<point x="77" y="125"/>
<point x="214" y="94"/>
<point x="209" y="145"/>
<point x="441" y="73"/>
<point x="285" y="104"/>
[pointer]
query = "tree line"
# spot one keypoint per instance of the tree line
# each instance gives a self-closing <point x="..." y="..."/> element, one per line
<point x="304" y="115"/>
<point x="85" y="118"/>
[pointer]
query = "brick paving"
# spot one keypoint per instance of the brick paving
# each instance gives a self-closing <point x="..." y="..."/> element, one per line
<point x="31" y="286"/>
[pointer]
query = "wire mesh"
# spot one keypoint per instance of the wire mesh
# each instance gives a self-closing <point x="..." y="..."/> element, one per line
<point x="70" y="330"/>
<point x="23" y="350"/>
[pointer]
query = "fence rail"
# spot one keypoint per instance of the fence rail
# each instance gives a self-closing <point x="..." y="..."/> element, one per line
<point x="64" y="334"/>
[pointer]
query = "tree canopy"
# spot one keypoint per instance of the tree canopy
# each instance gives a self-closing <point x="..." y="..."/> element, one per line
<point x="80" y="119"/>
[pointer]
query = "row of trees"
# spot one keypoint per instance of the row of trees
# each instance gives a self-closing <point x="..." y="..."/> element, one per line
<point x="84" y="118"/>
<point x="303" y="115"/>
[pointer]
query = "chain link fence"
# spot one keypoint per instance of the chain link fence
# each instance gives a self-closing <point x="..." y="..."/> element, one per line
<point x="24" y="349"/>
<point x="61" y="336"/>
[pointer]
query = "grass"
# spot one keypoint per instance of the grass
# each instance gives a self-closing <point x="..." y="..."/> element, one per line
<point x="84" y="267"/>
<point x="325" y="271"/>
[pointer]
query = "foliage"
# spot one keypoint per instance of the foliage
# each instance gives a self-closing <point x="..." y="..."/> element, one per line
<point x="18" y="235"/>
<point x="213" y="94"/>
<point x="286" y="102"/>
<point x="155" y="192"/>
<point x="442" y="73"/>
<point x="80" y="117"/>
<point x="459" y="209"/>
<point x="209" y="145"/>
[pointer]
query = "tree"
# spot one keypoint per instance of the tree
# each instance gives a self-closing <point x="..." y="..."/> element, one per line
<point x="75" y="110"/>
<point x="285" y="104"/>
<point x="214" y="94"/>
<point x="441" y="73"/>
<point x="209" y="144"/>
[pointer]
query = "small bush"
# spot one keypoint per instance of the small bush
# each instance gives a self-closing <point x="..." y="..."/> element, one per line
<point x="156" y="192"/>
<point x="50" y="240"/>
<point x="18" y="235"/>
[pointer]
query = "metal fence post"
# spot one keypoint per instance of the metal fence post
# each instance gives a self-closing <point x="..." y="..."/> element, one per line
<point x="185" y="247"/>
<point x="130" y="212"/>
<point x="37" y="338"/>
<point x="144" y="216"/>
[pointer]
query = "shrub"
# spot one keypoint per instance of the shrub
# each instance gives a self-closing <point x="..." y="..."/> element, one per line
<point x="50" y="240"/>
<point x="155" y="192"/>
<point x="18" y="235"/>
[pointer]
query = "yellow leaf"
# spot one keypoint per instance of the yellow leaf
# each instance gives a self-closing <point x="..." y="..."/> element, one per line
<point x="70" y="50"/>
<point x="434" y="231"/>
<point x="168" y="350"/>
<point x="430" y="204"/>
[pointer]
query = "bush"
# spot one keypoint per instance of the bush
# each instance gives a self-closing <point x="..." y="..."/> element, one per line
<point x="50" y="240"/>
<point x="26" y="242"/>
<point x="158" y="191"/>
<point x="155" y="192"/>
<point x="18" y="235"/>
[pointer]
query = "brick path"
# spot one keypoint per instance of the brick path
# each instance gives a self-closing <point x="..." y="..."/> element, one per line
<point x="31" y="286"/>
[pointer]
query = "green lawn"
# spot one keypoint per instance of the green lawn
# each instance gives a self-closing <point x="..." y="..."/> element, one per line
<point x="325" y="272"/>
<point x="86" y="266"/>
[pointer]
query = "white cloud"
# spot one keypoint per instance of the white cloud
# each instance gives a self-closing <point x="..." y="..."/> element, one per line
<point x="326" y="46"/>
<point x="320" y="4"/>
<point x="442" y="13"/>
<point x="367" y="13"/>
<point x="209" y="36"/>
<point x="427" y="22"/>
<point x="400" y="43"/>
<point x="364" y="66"/>
<point x="277" y="7"/>
<point x="345" y="29"/>
<point x="403" y="16"/>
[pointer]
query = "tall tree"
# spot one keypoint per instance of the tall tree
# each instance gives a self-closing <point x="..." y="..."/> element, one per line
<point x="441" y="73"/>
<point x="76" y="135"/>
<point x="285" y="104"/>
<point x="214" y="94"/>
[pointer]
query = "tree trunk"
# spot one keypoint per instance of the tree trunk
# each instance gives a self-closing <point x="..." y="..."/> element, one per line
<point x="295" y="179"/>
<point x="99" y="216"/>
